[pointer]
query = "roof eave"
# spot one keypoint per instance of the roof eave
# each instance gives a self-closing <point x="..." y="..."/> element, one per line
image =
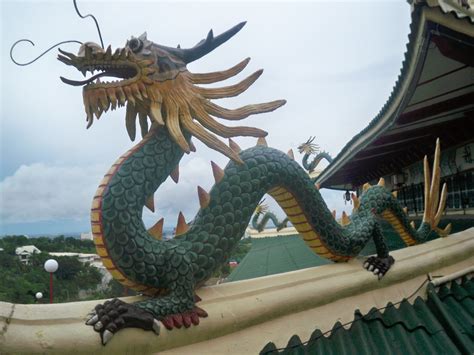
<point x="411" y="68"/>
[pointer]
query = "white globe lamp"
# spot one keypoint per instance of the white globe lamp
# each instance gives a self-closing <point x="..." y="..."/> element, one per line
<point x="51" y="266"/>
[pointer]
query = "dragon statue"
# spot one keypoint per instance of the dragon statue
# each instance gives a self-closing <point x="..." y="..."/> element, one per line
<point x="155" y="86"/>
<point x="262" y="209"/>
<point x="309" y="148"/>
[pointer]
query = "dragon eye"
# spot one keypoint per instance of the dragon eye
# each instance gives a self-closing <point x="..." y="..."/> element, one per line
<point x="135" y="45"/>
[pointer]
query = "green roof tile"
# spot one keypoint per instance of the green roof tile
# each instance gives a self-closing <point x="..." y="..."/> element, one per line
<point x="274" y="255"/>
<point x="443" y="324"/>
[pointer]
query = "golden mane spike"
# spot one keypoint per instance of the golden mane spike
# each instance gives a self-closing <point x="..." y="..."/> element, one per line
<point x="244" y="111"/>
<point x="210" y="78"/>
<point x="230" y="91"/>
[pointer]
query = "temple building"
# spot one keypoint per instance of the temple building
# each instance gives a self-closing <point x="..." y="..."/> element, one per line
<point x="433" y="98"/>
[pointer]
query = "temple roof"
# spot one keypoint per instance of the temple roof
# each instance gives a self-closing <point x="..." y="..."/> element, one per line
<point x="274" y="255"/>
<point x="441" y="324"/>
<point x="433" y="97"/>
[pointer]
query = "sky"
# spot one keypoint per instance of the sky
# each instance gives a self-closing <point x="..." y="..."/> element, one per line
<point x="334" y="62"/>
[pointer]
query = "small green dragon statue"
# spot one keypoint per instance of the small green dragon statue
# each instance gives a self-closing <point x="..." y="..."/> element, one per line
<point x="309" y="148"/>
<point x="155" y="86"/>
<point x="262" y="209"/>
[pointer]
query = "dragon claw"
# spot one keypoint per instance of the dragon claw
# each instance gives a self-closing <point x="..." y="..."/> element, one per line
<point x="156" y="327"/>
<point x="115" y="315"/>
<point x="106" y="336"/>
<point x="379" y="266"/>
<point x="92" y="320"/>
<point x="185" y="319"/>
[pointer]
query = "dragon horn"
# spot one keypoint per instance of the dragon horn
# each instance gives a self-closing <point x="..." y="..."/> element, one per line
<point x="217" y="172"/>
<point x="291" y="154"/>
<point x="355" y="200"/>
<point x="175" y="174"/>
<point x="262" y="141"/>
<point x="204" y="197"/>
<point x="345" y="219"/>
<point x="205" y="46"/>
<point x="150" y="203"/>
<point x="181" y="226"/>
<point x="157" y="230"/>
<point x="234" y="146"/>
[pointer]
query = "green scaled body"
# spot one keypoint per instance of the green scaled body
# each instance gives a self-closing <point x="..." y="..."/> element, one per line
<point x="315" y="162"/>
<point x="178" y="266"/>
<point x="267" y="216"/>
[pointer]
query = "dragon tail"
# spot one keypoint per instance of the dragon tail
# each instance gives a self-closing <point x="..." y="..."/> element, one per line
<point x="434" y="205"/>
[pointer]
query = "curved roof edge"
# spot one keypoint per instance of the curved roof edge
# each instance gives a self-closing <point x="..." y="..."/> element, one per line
<point x="422" y="13"/>
<point x="460" y="8"/>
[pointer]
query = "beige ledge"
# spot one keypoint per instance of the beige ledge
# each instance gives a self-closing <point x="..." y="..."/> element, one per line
<point x="245" y="315"/>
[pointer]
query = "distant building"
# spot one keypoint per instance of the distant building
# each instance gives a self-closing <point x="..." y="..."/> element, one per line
<point x="25" y="252"/>
<point x="92" y="259"/>
<point x="86" y="236"/>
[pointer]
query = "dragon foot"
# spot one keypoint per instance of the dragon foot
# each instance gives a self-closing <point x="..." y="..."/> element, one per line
<point x="185" y="319"/>
<point x="379" y="266"/>
<point x="114" y="315"/>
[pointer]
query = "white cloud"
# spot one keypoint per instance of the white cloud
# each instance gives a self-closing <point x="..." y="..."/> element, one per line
<point x="46" y="192"/>
<point x="43" y="192"/>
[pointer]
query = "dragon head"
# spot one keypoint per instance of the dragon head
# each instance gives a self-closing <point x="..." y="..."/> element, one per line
<point x="155" y="85"/>
<point x="308" y="147"/>
<point x="261" y="207"/>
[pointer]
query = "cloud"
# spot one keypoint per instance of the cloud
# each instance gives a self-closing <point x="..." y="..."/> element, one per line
<point x="42" y="192"/>
<point x="47" y="192"/>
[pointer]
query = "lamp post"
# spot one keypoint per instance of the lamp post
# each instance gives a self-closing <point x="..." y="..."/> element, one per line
<point x="51" y="266"/>
<point x="38" y="296"/>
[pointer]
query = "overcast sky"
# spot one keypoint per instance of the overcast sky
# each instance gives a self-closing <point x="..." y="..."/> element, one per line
<point x="334" y="62"/>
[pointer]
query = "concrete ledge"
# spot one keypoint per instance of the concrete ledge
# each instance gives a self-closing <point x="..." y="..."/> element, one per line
<point x="245" y="315"/>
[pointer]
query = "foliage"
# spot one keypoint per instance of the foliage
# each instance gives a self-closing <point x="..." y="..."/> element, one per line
<point x="20" y="282"/>
<point x="45" y="244"/>
<point x="73" y="281"/>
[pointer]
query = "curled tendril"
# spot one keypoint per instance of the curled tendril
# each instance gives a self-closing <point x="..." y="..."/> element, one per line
<point x="95" y="20"/>
<point x="57" y="44"/>
<point x="38" y="57"/>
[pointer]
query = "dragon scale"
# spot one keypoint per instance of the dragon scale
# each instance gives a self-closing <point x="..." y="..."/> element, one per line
<point x="143" y="263"/>
<point x="156" y="87"/>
